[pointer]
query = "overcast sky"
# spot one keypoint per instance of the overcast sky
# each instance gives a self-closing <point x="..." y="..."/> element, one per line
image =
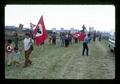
<point x="101" y="17"/>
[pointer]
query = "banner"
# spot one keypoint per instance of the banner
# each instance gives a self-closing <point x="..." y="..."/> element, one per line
<point x="40" y="33"/>
<point x="79" y="35"/>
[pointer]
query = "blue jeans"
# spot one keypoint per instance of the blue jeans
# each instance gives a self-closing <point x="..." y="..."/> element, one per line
<point x="62" y="42"/>
<point x="85" y="47"/>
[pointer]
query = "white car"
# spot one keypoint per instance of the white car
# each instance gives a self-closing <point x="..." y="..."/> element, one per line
<point x="112" y="42"/>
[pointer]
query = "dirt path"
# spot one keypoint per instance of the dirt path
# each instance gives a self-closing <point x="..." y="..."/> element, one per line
<point x="99" y="65"/>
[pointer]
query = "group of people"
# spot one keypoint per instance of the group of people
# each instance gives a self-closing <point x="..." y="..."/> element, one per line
<point x="65" y="38"/>
<point x="95" y="35"/>
<point x="12" y="52"/>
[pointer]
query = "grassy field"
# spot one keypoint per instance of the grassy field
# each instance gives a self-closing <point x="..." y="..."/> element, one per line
<point x="55" y="62"/>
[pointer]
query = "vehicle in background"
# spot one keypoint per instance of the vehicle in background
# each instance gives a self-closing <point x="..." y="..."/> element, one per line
<point x="111" y="41"/>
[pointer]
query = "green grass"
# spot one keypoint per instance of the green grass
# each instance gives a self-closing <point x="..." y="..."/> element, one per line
<point x="56" y="62"/>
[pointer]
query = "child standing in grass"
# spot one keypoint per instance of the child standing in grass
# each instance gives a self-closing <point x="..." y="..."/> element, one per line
<point x="16" y="55"/>
<point x="9" y="51"/>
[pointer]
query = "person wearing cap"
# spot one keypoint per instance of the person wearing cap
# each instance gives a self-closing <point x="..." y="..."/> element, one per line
<point x="54" y="38"/>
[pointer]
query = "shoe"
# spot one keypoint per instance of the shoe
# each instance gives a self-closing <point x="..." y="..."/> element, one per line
<point x="30" y="62"/>
<point x="25" y="66"/>
<point x="9" y="65"/>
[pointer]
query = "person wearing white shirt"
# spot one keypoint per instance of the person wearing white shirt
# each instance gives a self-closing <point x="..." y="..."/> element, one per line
<point x="27" y="45"/>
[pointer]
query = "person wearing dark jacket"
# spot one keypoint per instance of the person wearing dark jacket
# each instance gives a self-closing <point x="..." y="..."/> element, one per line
<point x="66" y="40"/>
<point x="100" y="37"/>
<point x="70" y="38"/>
<point x="62" y="38"/>
<point x="94" y="36"/>
<point x="54" y="38"/>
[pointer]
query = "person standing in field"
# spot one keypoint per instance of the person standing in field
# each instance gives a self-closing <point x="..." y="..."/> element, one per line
<point x="99" y="37"/>
<point x="16" y="55"/>
<point x="66" y="40"/>
<point x="94" y="36"/>
<point x="62" y="38"/>
<point x="54" y="38"/>
<point x="28" y="49"/>
<point x="16" y="39"/>
<point x="85" y="44"/>
<point x="70" y="37"/>
<point x="50" y="38"/>
<point x="76" y="39"/>
<point x="9" y="51"/>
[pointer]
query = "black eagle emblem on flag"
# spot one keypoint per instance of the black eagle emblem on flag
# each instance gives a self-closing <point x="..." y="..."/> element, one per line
<point x="39" y="30"/>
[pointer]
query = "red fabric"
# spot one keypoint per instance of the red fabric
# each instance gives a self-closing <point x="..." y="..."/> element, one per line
<point x="7" y="48"/>
<point x="82" y="36"/>
<point x="76" y="35"/>
<point x="79" y="35"/>
<point x="40" y="39"/>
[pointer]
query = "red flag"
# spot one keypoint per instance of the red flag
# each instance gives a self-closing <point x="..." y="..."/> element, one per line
<point x="76" y="35"/>
<point x="79" y="35"/>
<point x="40" y="32"/>
<point x="82" y="36"/>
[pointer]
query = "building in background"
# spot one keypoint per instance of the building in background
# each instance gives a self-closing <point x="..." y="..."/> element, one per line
<point x="53" y="29"/>
<point x="62" y="30"/>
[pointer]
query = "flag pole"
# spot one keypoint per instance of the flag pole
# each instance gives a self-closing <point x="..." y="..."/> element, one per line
<point x="31" y="31"/>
